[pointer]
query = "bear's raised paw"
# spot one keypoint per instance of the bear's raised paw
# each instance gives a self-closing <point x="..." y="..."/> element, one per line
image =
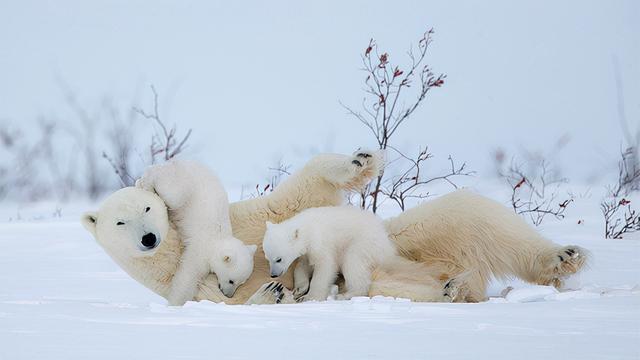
<point x="369" y="160"/>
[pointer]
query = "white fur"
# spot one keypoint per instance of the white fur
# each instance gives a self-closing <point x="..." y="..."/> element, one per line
<point x="333" y="240"/>
<point x="321" y="182"/>
<point x="457" y="234"/>
<point x="199" y="208"/>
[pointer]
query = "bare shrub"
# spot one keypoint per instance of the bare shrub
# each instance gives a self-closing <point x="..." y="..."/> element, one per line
<point x="60" y="157"/>
<point x="392" y="95"/>
<point x="536" y="194"/>
<point x="276" y="174"/>
<point x="619" y="217"/>
<point x="631" y="136"/>
<point x="122" y="143"/>
<point x="531" y="159"/>
<point x="164" y="144"/>
<point x="29" y="167"/>
<point x="411" y="183"/>
<point x="86" y="136"/>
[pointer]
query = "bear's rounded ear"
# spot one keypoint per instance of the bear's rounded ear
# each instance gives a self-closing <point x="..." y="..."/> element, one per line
<point x="253" y="248"/>
<point x="226" y="258"/>
<point x="89" y="221"/>
<point x="269" y="224"/>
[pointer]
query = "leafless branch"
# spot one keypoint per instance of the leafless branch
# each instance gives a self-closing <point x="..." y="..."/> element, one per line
<point x="387" y="104"/>
<point x="536" y="197"/>
<point x="619" y="217"/>
<point x="165" y="144"/>
<point x="410" y="183"/>
<point x="277" y="173"/>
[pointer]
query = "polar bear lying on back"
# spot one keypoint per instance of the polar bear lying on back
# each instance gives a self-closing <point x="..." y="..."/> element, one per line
<point x="333" y="240"/>
<point x="199" y="208"/>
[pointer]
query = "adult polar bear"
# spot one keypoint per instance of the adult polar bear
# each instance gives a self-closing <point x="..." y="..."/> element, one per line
<point x="460" y="233"/>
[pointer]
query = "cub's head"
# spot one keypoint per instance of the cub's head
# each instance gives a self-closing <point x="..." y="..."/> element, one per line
<point x="131" y="222"/>
<point x="232" y="264"/>
<point x="281" y="247"/>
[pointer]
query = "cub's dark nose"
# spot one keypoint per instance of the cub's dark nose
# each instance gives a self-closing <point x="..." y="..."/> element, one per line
<point x="149" y="240"/>
<point x="274" y="276"/>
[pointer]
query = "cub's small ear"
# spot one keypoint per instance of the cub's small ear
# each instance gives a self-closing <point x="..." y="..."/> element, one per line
<point x="89" y="221"/>
<point x="253" y="248"/>
<point x="226" y="258"/>
<point x="269" y="224"/>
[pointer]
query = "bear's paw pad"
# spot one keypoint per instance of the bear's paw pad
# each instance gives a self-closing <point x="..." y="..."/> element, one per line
<point x="569" y="260"/>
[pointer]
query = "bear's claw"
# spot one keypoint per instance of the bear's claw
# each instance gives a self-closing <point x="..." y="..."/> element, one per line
<point x="454" y="290"/>
<point x="572" y="259"/>
<point x="272" y="292"/>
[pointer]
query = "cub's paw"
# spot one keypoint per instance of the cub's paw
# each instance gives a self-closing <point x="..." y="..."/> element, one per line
<point x="144" y="184"/>
<point x="300" y="290"/>
<point x="455" y="290"/>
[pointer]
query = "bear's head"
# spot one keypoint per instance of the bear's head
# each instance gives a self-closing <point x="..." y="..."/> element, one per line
<point x="130" y="221"/>
<point x="281" y="246"/>
<point x="232" y="263"/>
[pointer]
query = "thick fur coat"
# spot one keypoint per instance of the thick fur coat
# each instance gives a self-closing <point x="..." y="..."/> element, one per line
<point x="450" y="246"/>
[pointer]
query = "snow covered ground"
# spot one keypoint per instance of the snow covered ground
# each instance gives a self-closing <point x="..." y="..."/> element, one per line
<point x="63" y="298"/>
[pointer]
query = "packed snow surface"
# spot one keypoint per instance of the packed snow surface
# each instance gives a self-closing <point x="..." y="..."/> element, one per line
<point x="62" y="297"/>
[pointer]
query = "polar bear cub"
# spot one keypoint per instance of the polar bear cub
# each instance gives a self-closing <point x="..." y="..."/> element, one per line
<point x="199" y="207"/>
<point x="332" y="240"/>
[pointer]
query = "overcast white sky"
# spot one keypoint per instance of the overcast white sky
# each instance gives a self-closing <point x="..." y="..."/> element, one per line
<point x="259" y="80"/>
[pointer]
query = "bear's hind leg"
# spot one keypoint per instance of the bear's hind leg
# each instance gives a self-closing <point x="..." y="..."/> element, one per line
<point x="557" y="263"/>
<point x="352" y="172"/>
<point x="357" y="277"/>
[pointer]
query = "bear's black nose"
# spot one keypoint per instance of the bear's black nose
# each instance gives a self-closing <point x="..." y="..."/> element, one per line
<point x="149" y="240"/>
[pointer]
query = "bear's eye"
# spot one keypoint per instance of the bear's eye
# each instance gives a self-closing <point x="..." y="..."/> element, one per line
<point x="231" y="282"/>
<point x="147" y="209"/>
<point x="279" y="260"/>
<point x="119" y="223"/>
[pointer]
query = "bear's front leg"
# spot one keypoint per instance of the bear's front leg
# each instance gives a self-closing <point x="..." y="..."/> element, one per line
<point x="192" y="269"/>
<point x="324" y="275"/>
<point x="301" y="277"/>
